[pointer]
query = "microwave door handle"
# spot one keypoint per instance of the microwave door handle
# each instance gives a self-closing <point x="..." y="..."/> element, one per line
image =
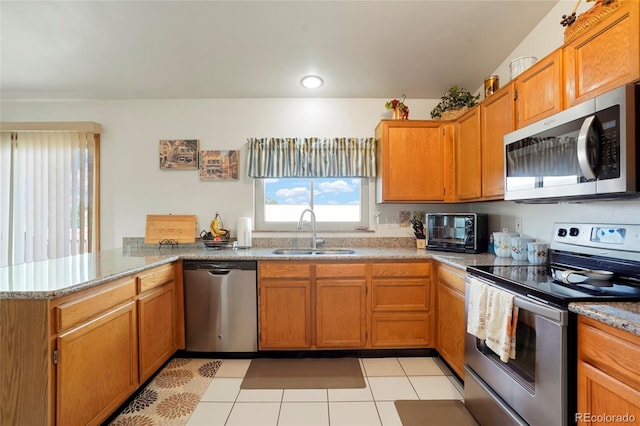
<point x="582" y="149"/>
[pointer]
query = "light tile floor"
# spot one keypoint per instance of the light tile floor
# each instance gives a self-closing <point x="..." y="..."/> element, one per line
<point x="387" y="379"/>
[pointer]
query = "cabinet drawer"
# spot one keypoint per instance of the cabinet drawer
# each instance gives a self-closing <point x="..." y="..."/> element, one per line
<point x="400" y="330"/>
<point x="406" y="294"/>
<point x="343" y="270"/>
<point x="452" y="278"/>
<point x="284" y="270"/>
<point x="401" y="269"/>
<point x="609" y="349"/>
<point x="78" y="310"/>
<point x="156" y="277"/>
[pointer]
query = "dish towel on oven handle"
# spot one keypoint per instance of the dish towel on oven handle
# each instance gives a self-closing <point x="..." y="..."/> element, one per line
<point x="501" y="322"/>
<point x="477" y="306"/>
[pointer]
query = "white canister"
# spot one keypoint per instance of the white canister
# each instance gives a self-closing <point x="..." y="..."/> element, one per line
<point x="537" y="252"/>
<point x="502" y="242"/>
<point x="243" y="230"/>
<point x="519" y="247"/>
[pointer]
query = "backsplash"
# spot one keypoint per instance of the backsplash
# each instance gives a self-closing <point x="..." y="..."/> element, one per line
<point x="375" y="242"/>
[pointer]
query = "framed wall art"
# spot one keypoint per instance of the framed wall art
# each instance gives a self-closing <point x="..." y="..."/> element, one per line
<point x="219" y="165"/>
<point x="179" y="154"/>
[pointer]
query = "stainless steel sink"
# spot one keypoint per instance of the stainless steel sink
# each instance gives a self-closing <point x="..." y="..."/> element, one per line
<point x="310" y="251"/>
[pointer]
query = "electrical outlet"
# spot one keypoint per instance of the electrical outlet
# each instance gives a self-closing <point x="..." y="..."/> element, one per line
<point x="518" y="224"/>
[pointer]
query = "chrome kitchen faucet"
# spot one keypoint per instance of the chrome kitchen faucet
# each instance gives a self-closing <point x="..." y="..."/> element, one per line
<point x="314" y="239"/>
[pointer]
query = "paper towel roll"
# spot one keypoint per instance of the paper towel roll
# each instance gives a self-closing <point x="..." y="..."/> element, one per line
<point x="244" y="232"/>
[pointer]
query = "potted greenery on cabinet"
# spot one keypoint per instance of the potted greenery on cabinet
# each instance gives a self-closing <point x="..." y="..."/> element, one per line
<point x="454" y="103"/>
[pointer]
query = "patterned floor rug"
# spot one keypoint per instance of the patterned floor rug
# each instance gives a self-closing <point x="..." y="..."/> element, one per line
<point x="170" y="398"/>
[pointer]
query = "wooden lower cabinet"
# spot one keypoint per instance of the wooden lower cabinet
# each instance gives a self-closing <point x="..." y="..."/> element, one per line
<point x="97" y="367"/>
<point x="285" y="315"/>
<point x="608" y="378"/>
<point x="341" y="308"/>
<point x="450" y="316"/>
<point x="284" y="298"/>
<point x="156" y="327"/>
<point x="401" y="305"/>
<point x="83" y="354"/>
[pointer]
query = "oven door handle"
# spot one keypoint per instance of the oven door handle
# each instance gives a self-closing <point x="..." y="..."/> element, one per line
<point x="559" y="316"/>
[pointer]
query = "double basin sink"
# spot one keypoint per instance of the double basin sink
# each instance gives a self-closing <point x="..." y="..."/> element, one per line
<point x="312" y="251"/>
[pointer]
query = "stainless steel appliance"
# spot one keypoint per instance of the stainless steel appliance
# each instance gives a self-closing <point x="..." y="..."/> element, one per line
<point x="588" y="262"/>
<point x="586" y="151"/>
<point x="220" y="306"/>
<point x="459" y="232"/>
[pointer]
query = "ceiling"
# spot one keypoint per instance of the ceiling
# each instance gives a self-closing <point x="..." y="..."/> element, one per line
<point x="255" y="49"/>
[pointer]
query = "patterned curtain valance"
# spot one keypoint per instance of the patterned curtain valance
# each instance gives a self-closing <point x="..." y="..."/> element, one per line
<point x="311" y="157"/>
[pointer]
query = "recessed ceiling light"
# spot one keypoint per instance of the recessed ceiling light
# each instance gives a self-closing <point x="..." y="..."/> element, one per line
<point x="311" y="81"/>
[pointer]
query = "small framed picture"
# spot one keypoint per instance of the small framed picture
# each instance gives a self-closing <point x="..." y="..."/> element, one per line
<point x="179" y="154"/>
<point x="219" y="165"/>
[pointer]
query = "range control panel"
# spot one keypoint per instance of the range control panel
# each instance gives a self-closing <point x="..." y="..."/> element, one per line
<point x="606" y="239"/>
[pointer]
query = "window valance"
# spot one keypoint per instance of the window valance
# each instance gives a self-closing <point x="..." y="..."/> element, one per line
<point x="311" y="157"/>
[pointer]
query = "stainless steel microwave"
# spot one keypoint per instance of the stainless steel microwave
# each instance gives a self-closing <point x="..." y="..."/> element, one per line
<point x="587" y="151"/>
<point x="459" y="232"/>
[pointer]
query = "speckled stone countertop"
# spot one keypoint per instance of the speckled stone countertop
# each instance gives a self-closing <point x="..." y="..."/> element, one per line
<point x="57" y="277"/>
<point x="622" y="315"/>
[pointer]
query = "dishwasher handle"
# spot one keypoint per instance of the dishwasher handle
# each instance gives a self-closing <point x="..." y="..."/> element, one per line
<point x="216" y="272"/>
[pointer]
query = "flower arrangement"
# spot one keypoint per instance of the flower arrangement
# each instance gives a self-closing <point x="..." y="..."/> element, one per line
<point x="399" y="108"/>
<point x="455" y="99"/>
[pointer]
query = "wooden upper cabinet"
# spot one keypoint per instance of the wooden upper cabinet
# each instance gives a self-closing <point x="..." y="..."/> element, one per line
<point x="497" y="118"/>
<point x="604" y="57"/>
<point x="449" y="144"/>
<point x="539" y="90"/>
<point x="410" y="159"/>
<point x="468" y="156"/>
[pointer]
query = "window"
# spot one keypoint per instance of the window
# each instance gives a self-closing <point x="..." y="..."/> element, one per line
<point x="48" y="190"/>
<point x="339" y="203"/>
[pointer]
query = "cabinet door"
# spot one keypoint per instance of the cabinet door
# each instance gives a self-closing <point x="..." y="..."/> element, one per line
<point x="410" y="161"/>
<point x="156" y="328"/>
<point x="605" y="57"/>
<point x="450" y="318"/>
<point x="97" y="367"/>
<point x="497" y="119"/>
<point x="285" y="314"/>
<point x="539" y="90"/>
<point x="468" y="156"/>
<point x="341" y="313"/>
<point x="602" y="395"/>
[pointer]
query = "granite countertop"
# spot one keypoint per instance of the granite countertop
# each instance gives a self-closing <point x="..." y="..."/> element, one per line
<point x="622" y="315"/>
<point x="57" y="277"/>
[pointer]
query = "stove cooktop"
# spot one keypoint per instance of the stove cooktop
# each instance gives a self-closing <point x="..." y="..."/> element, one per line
<point x="538" y="282"/>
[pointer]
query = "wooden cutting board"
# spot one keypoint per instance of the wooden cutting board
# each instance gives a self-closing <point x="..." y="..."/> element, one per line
<point x="181" y="228"/>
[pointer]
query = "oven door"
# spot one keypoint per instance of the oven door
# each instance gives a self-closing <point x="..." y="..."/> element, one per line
<point x="533" y="386"/>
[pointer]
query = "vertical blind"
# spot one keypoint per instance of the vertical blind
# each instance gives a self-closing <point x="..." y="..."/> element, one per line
<point x="48" y="194"/>
<point x="311" y="157"/>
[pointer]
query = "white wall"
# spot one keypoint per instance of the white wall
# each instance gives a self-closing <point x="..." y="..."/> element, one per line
<point x="134" y="186"/>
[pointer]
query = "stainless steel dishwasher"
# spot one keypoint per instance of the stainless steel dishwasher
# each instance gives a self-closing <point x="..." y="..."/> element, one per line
<point x="221" y="313"/>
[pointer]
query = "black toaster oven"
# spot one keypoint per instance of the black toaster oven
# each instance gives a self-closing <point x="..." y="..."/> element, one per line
<point x="458" y="232"/>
